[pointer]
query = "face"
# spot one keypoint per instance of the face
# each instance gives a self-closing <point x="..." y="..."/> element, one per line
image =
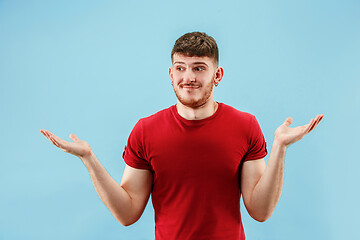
<point x="193" y="79"/>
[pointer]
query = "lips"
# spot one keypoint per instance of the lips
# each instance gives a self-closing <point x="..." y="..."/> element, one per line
<point x="189" y="86"/>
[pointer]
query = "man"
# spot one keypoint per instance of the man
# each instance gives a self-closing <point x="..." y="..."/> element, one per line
<point x="196" y="158"/>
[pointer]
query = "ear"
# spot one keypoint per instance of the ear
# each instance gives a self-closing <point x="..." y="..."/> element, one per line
<point x="171" y="74"/>
<point x="219" y="75"/>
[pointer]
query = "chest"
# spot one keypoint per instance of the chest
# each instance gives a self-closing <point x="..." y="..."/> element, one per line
<point x="202" y="154"/>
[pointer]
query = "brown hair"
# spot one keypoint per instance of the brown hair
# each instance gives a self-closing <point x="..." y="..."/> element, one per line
<point x="196" y="44"/>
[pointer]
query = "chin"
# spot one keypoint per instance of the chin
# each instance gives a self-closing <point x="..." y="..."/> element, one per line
<point x="194" y="100"/>
<point x="192" y="103"/>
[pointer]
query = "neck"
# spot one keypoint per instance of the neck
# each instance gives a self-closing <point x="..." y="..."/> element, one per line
<point x="204" y="111"/>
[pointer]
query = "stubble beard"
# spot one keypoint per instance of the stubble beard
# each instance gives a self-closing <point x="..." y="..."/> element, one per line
<point x="195" y="103"/>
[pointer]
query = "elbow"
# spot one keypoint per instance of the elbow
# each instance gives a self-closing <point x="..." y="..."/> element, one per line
<point x="261" y="217"/>
<point x="124" y="218"/>
<point x="126" y="222"/>
<point x="122" y="221"/>
<point x="259" y="213"/>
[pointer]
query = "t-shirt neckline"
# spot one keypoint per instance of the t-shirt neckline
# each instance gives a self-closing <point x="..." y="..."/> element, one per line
<point x="195" y="122"/>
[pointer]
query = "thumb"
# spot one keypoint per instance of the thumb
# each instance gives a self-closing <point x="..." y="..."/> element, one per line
<point x="288" y="121"/>
<point x="74" y="137"/>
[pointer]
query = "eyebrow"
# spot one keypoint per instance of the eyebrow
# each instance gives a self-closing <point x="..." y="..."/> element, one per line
<point x="178" y="62"/>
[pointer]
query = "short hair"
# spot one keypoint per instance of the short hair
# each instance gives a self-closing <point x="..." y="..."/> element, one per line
<point x="196" y="44"/>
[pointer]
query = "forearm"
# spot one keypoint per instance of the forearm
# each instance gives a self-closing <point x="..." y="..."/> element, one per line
<point x="116" y="199"/>
<point x="268" y="190"/>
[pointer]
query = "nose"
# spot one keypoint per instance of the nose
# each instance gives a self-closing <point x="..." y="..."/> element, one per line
<point x="189" y="76"/>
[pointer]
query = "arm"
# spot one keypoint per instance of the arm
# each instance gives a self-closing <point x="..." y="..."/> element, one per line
<point x="126" y="201"/>
<point x="261" y="185"/>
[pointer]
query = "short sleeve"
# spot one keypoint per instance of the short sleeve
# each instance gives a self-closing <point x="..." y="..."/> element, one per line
<point x="257" y="145"/>
<point x="134" y="152"/>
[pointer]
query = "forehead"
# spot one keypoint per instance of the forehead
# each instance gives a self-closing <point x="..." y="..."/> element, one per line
<point x="180" y="58"/>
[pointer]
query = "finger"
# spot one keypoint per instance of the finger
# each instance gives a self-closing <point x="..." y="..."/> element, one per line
<point x="54" y="142"/>
<point x="43" y="132"/>
<point x="317" y="121"/>
<point x="49" y="135"/>
<point x="313" y="126"/>
<point x="321" y="117"/>
<point x="59" y="142"/>
<point x="51" y="138"/>
<point x="288" y="121"/>
<point x="46" y="135"/>
<point x="74" y="137"/>
<point x="310" y="125"/>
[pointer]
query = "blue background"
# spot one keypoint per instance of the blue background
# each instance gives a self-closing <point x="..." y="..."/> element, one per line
<point x="93" y="68"/>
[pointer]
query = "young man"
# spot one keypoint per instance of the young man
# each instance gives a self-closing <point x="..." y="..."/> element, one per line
<point x="195" y="158"/>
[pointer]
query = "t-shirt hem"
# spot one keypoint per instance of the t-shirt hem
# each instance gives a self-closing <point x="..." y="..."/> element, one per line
<point x="136" y="165"/>
<point x="255" y="158"/>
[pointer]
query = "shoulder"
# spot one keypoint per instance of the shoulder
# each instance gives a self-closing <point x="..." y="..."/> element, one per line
<point x="157" y="118"/>
<point x="236" y="114"/>
<point x="241" y="121"/>
<point x="153" y="122"/>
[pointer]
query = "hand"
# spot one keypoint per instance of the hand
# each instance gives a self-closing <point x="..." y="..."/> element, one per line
<point x="286" y="135"/>
<point x="78" y="148"/>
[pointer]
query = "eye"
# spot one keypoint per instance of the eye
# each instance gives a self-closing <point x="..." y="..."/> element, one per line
<point x="179" y="68"/>
<point x="199" y="68"/>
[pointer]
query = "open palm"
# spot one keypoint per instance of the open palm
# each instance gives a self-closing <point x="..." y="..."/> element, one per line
<point x="286" y="135"/>
<point x="78" y="148"/>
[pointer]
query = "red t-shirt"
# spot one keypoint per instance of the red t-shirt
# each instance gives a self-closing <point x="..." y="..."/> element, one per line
<point x="195" y="164"/>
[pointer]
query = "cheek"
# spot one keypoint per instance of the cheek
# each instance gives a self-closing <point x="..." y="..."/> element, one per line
<point x="177" y="77"/>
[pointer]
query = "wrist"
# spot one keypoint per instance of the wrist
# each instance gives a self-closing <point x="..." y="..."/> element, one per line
<point x="88" y="159"/>
<point x="279" y="144"/>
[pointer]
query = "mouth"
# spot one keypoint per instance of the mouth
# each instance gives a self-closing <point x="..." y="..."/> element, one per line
<point x="190" y="86"/>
